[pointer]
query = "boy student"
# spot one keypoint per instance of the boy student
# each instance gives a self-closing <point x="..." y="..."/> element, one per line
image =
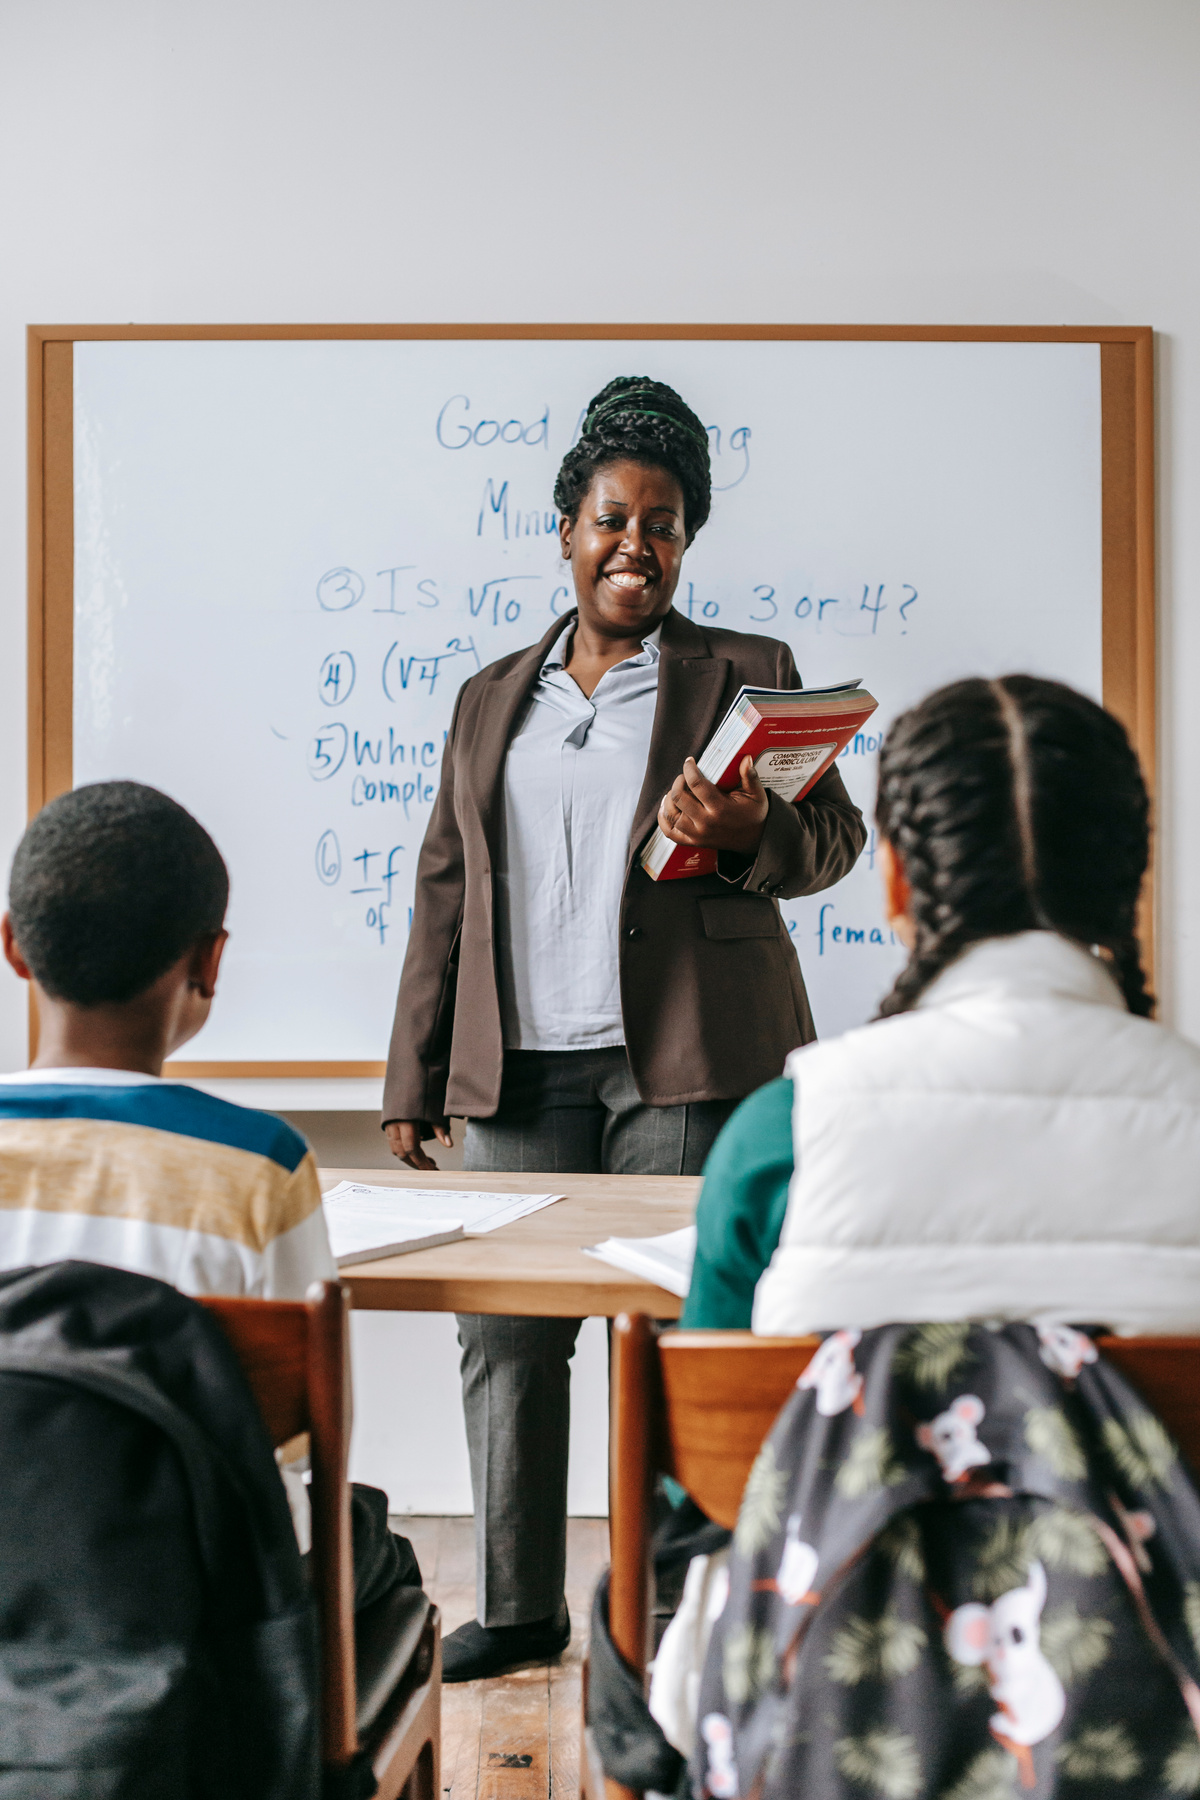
<point x="117" y="916"/>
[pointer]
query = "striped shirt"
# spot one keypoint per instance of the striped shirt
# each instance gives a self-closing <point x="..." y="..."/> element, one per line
<point x="112" y="1167"/>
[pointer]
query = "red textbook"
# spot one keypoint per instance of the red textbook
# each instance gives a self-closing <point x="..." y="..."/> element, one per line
<point x="793" y="734"/>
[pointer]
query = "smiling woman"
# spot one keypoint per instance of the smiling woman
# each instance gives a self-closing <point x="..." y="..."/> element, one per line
<point x="580" y="1016"/>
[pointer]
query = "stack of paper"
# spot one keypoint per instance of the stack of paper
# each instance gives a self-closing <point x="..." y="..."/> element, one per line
<point x="666" y="1261"/>
<point x="358" y="1237"/>
<point x="475" y="1210"/>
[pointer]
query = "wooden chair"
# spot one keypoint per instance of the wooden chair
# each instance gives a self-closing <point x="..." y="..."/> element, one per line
<point x="381" y="1671"/>
<point x="697" y="1405"/>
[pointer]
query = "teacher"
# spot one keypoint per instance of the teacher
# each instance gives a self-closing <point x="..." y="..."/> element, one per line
<point x="580" y="1016"/>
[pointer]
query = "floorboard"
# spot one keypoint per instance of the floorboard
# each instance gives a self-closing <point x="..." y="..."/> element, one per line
<point x="515" y="1737"/>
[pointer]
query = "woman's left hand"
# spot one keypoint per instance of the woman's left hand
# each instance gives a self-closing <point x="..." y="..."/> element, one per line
<point x="705" y="817"/>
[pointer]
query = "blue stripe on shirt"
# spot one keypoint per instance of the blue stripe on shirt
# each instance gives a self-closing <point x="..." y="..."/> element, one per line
<point x="185" y="1111"/>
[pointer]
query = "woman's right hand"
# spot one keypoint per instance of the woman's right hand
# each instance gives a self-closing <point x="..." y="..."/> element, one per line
<point x="404" y="1139"/>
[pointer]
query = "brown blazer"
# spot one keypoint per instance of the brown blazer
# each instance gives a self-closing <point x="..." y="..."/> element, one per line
<point x="711" y="991"/>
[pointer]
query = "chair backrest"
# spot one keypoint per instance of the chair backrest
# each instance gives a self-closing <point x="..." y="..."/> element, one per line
<point x="1166" y="1373"/>
<point x="295" y="1356"/>
<point x="692" y="1404"/>
<point x="698" y="1404"/>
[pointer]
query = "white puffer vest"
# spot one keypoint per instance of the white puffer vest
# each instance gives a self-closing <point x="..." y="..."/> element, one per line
<point x="1016" y="1147"/>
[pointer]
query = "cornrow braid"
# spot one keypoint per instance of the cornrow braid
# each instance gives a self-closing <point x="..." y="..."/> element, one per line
<point x="1022" y="795"/>
<point x="635" y="419"/>
<point x="1015" y="805"/>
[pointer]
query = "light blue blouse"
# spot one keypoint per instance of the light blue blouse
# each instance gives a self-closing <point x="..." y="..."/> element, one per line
<point x="572" y="779"/>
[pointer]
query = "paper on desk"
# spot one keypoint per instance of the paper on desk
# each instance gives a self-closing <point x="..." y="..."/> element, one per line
<point x="360" y="1237"/>
<point x="666" y="1261"/>
<point x="478" y="1210"/>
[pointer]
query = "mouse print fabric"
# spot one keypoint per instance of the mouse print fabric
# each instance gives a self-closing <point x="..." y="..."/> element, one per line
<point x="1065" y="1350"/>
<point x="951" y="1437"/>
<point x="798" y="1565"/>
<point x="1005" y="1638"/>
<point x="974" y="1577"/>
<point x="833" y="1376"/>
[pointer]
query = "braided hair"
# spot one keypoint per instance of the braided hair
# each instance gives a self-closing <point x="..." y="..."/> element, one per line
<point x="1015" y="805"/>
<point x="635" y="419"/>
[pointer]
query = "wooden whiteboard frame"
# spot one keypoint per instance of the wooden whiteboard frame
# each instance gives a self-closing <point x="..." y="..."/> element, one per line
<point x="1127" y="514"/>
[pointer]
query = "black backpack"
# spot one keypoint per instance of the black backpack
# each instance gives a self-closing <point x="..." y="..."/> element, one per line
<point x="158" y="1639"/>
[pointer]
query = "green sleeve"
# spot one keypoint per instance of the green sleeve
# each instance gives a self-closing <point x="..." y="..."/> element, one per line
<point x="740" y="1212"/>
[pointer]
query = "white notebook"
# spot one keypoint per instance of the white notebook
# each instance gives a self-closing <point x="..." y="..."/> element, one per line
<point x="359" y="1237"/>
<point x="475" y="1210"/>
<point x="666" y="1261"/>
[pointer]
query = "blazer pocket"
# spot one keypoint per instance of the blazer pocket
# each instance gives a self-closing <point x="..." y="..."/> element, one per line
<point x="740" y="916"/>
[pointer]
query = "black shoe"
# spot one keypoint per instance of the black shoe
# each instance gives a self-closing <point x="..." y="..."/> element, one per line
<point x="476" y="1650"/>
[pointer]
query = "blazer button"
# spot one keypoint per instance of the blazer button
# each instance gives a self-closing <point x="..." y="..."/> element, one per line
<point x="634" y="932"/>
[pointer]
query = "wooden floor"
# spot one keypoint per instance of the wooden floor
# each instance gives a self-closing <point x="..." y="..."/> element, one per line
<point x="515" y="1737"/>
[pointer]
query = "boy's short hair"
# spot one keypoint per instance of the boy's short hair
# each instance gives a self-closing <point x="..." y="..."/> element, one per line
<point x="110" y="885"/>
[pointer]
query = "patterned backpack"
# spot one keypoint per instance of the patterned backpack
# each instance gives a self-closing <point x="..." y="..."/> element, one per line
<point x="966" y="1567"/>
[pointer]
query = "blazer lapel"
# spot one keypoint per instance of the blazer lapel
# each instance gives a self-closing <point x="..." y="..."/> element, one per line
<point x="691" y="685"/>
<point x="498" y="722"/>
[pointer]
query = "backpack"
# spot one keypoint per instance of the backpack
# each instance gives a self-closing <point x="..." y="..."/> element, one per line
<point x="157" y="1635"/>
<point x="966" y="1567"/>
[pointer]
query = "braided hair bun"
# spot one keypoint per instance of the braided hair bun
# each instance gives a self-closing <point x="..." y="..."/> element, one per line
<point x="635" y="419"/>
<point x="1015" y="805"/>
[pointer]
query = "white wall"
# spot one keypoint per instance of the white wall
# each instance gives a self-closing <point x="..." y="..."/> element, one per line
<point x="995" y="161"/>
<point x="900" y="160"/>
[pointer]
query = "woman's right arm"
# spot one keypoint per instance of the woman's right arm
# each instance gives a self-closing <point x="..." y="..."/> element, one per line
<point x="414" y="1092"/>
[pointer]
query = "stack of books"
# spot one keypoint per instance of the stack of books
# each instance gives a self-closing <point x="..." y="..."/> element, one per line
<point x="793" y="734"/>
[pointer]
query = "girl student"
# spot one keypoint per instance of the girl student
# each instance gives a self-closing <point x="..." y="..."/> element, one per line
<point x="1013" y="1137"/>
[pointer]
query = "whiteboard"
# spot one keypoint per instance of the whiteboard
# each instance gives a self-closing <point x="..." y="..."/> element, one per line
<point x="290" y="554"/>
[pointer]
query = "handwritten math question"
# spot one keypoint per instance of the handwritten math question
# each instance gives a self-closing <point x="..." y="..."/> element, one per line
<point x="868" y="610"/>
<point x="391" y="770"/>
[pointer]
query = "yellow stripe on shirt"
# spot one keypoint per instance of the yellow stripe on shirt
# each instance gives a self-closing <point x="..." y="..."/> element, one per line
<point x="116" y="1170"/>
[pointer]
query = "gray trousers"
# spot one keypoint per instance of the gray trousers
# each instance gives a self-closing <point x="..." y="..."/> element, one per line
<point x="561" y="1112"/>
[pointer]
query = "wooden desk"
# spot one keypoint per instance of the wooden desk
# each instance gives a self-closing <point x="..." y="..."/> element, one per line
<point x="535" y="1266"/>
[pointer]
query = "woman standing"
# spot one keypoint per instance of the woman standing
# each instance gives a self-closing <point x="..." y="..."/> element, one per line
<point x="579" y="1015"/>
